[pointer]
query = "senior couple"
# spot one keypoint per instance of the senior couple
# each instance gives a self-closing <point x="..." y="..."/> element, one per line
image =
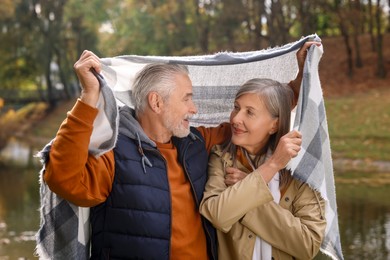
<point x="204" y="193"/>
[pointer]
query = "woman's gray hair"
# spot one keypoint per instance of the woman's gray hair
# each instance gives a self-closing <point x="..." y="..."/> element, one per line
<point x="158" y="77"/>
<point x="278" y="99"/>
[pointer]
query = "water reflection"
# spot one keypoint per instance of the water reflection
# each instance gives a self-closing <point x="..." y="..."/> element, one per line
<point x="17" y="152"/>
<point x="364" y="211"/>
<point x="19" y="216"/>
<point x="19" y="200"/>
<point x="364" y="218"/>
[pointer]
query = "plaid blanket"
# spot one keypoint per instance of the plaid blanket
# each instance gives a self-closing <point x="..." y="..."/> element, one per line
<point x="64" y="231"/>
<point x="216" y="78"/>
<point x="313" y="165"/>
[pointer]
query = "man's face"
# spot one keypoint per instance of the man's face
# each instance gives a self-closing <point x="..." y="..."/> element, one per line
<point x="179" y="107"/>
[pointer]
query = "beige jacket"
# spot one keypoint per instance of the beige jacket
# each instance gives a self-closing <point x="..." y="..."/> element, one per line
<point x="295" y="227"/>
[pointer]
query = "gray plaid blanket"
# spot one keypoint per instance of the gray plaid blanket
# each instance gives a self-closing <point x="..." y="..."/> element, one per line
<point x="64" y="230"/>
<point x="313" y="165"/>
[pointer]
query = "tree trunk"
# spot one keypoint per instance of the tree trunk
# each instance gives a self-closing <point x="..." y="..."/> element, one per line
<point x="381" y="71"/>
<point x="272" y="25"/>
<point x="49" y="84"/>
<point x="355" y="5"/>
<point x="305" y="17"/>
<point x="345" y="35"/>
<point x="388" y="17"/>
<point x="62" y="74"/>
<point x="278" y="29"/>
<point x="179" y="20"/>
<point x="202" y="29"/>
<point x="255" y="12"/>
<point x="260" y="9"/>
<point x="284" y="24"/>
<point x="342" y="20"/>
<point x="371" y="25"/>
<point x="349" y="55"/>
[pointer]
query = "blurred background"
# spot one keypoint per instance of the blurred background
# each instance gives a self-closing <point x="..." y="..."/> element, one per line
<point x="41" y="39"/>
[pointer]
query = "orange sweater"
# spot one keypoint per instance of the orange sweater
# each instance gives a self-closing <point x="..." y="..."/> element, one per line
<point x="86" y="181"/>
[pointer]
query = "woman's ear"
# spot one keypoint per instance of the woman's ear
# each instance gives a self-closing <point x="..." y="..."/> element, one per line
<point x="155" y="102"/>
<point x="274" y="126"/>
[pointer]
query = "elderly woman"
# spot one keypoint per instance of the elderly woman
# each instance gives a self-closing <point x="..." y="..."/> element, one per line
<point x="260" y="211"/>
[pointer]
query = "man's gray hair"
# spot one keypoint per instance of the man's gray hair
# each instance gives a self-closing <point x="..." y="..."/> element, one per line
<point x="158" y="77"/>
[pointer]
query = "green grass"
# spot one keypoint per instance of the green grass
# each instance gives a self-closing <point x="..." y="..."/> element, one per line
<point x="359" y="125"/>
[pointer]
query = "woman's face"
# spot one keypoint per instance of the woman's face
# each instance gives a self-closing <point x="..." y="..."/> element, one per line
<point x="251" y="123"/>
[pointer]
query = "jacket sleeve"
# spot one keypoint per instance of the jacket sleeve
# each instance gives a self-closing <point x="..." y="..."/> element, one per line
<point x="299" y="232"/>
<point x="215" y="135"/>
<point x="223" y="206"/>
<point x="73" y="173"/>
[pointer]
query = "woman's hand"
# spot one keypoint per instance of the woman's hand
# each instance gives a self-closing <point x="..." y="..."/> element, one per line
<point x="288" y="147"/>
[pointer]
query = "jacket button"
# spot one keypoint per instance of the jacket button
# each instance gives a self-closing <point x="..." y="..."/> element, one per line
<point x="272" y="258"/>
<point x="287" y="199"/>
<point x="250" y="236"/>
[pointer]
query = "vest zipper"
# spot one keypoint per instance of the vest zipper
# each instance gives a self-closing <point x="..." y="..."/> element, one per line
<point x="197" y="202"/>
<point x="155" y="151"/>
<point x="188" y="176"/>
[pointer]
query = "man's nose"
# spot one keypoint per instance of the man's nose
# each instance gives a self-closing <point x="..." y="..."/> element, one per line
<point x="193" y="108"/>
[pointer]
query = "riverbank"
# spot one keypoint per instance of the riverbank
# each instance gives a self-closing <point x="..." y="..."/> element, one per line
<point x="359" y="165"/>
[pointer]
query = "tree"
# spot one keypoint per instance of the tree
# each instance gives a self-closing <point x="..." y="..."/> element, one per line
<point x="50" y="15"/>
<point x="343" y="16"/>
<point x="388" y="16"/>
<point x="256" y="23"/>
<point x="19" y="68"/>
<point x="226" y="31"/>
<point x="307" y="16"/>
<point x="355" y="11"/>
<point x="381" y="71"/>
<point x="204" y="15"/>
<point x="371" y="25"/>
<point x="279" y="19"/>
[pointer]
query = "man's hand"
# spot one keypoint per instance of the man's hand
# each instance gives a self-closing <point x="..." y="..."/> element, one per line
<point x="233" y="175"/>
<point x="301" y="57"/>
<point x="90" y="85"/>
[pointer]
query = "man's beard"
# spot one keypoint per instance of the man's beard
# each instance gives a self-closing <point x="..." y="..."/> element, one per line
<point x="177" y="130"/>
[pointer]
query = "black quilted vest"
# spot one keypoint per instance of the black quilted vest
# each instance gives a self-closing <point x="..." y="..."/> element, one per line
<point x="135" y="220"/>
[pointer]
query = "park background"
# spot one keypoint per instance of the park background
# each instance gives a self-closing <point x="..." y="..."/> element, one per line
<point x="41" y="39"/>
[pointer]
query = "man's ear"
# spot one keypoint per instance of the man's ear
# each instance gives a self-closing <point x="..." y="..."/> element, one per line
<point x="155" y="102"/>
<point x="274" y="126"/>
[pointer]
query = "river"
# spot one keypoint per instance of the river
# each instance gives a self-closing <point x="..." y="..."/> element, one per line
<point x="363" y="208"/>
